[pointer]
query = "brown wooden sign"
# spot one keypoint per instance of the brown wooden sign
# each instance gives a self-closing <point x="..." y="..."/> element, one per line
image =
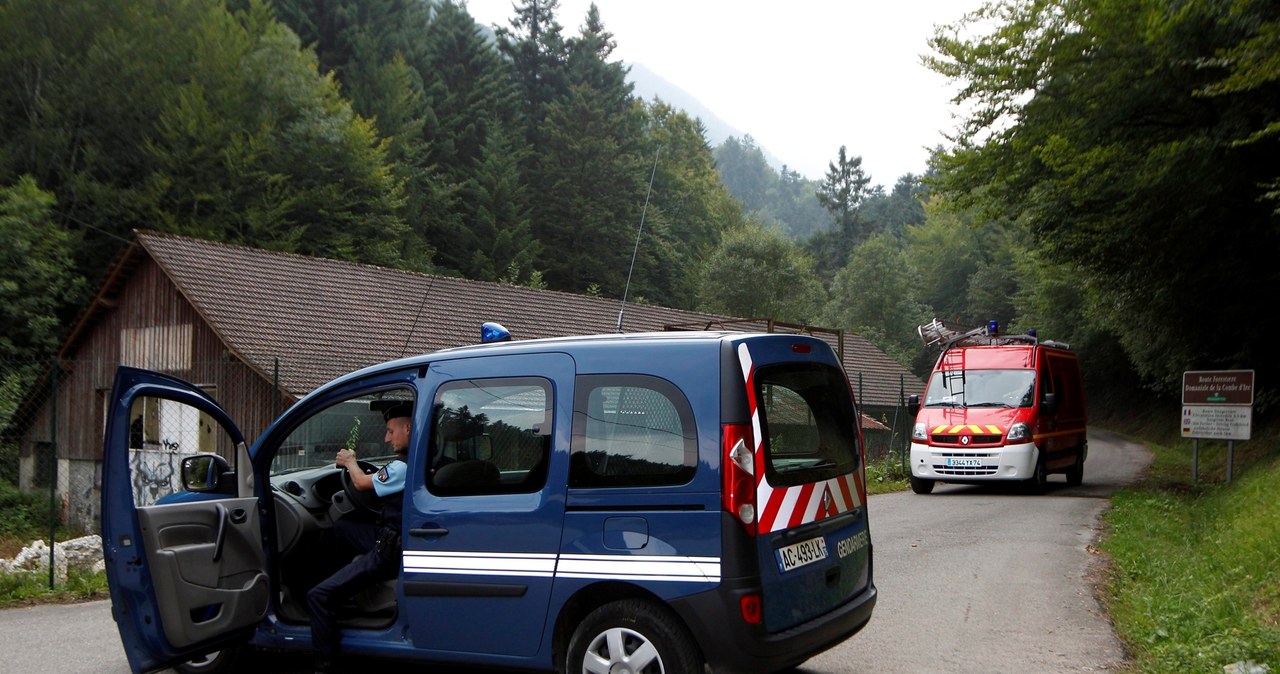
<point x="1217" y="387"/>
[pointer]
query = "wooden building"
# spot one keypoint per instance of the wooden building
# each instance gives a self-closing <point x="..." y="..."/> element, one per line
<point x="259" y="329"/>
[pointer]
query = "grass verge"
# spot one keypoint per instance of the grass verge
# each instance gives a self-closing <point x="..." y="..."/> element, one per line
<point x="23" y="519"/>
<point x="1194" y="582"/>
<point x="25" y="589"/>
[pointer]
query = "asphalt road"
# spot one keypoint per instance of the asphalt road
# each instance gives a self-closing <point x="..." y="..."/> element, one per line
<point x="971" y="579"/>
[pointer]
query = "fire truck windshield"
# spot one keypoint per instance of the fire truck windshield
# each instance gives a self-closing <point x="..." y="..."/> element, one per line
<point x="981" y="388"/>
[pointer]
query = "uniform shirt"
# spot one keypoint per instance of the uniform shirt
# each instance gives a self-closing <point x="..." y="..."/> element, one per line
<point x="390" y="480"/>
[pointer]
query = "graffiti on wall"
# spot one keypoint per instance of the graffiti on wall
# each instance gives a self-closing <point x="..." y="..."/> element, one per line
<point x="156" y="472"/>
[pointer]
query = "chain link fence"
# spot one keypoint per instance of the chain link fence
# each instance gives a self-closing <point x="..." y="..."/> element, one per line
<point x="53" y="416"/>
<point x="888" y="435"/>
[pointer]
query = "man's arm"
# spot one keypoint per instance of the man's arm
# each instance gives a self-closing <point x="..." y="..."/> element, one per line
<point x="362" y="480"/>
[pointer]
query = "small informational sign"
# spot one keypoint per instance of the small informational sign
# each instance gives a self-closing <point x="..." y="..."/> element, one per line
<point x="1217" y="422"/>
<point x="1217" y="404"/>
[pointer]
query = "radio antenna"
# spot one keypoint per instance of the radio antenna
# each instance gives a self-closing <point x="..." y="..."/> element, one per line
<point x="423" y="305"/>
<point x="639" y="231"/>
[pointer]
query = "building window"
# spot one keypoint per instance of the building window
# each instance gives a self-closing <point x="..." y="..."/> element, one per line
<point x="162" y="347"/>
<point x="43" y="471"/>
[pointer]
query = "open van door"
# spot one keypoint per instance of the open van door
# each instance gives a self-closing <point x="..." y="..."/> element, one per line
<point x="187" y="573"/>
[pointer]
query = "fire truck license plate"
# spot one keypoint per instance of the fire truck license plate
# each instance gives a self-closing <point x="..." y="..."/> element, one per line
<point x="965" y="463"/>
<point x="799" y="554"/>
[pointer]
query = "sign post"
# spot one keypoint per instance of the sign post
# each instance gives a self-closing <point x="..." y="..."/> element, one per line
<point x="1216" y="405"/>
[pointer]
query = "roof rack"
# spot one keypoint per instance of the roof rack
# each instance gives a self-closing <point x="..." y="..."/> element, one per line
<point x="936" y="332"/>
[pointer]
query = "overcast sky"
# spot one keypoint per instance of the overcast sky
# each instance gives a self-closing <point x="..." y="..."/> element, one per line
<point x="802" y="77"/>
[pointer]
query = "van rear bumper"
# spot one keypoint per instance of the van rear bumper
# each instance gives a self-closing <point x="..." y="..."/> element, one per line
<point x="731" y="645"/>
<point x="1005" y="462"/>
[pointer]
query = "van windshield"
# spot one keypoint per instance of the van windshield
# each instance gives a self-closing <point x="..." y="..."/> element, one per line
<point x="808" y="423"/>
<point x="981" y="388"/>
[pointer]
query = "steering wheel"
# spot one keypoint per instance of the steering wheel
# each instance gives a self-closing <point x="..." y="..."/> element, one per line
<point x="364" y="499"/>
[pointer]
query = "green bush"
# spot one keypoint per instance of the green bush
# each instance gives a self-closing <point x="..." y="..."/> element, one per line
<point x="886" y="475"/>
<point x="23" y="516"/>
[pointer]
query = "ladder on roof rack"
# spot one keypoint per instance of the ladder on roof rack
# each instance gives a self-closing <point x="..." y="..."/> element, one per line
<point x="952" y="368"/>
<point x="936" y="332"/>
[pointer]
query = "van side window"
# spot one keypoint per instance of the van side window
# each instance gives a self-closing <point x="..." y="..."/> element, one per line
<point x="631" y="431"/>
<point x="352" y="423"/>
<point x="490" y="436"/>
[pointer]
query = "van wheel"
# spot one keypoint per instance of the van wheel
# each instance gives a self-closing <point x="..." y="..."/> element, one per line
<point x="216" y="662"/>
<point x="1036" y="485"/>
<point x="632" y="636"/>
<point x="1075" y="474"/>
<point x="920" y="485"/>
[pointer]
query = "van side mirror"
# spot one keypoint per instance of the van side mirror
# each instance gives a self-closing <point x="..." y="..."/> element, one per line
<point x="913" y="404"/>
<point x="204" y="472"/>
<point x="1050" y="404"/>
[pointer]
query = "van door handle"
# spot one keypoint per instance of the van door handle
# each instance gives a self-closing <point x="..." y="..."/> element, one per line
<point x="426" y="532"/>
<point x="222" y="515"/>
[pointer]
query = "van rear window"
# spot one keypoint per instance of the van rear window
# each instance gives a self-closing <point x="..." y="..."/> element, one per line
<point x="808" y="423"/>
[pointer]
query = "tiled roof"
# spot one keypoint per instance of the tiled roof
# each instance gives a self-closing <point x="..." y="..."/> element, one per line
<point x="322" y="318"/>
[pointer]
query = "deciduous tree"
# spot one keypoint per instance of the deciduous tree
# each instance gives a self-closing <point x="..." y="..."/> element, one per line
<point x="757" y="273"/>
<point x="1136" y="141"/>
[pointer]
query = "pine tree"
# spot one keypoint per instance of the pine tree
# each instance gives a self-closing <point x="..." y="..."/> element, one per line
<point x="842" y="192"/>
<point x="538" y="58"/>
<point x="473" y="112"/>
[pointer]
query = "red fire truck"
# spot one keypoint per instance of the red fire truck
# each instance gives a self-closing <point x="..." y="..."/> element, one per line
<point x="998" y="407"/>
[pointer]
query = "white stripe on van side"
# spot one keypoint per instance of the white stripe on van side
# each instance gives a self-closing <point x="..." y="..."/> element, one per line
<point x="640" y="567"/>
<point x="605" y="567"/>
<point x="480" y="563"/>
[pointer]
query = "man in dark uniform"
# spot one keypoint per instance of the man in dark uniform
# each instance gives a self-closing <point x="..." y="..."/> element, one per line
<point x="377" y="544"/>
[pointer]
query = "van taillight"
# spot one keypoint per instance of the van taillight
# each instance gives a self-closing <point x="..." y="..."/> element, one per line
<point x="739" y="469"/>
<point x="752" y="610"/>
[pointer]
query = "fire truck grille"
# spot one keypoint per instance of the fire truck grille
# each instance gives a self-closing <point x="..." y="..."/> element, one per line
<point x="960" y="464"/>
<point x="954" y="470"/>
<point x="973" y="439"/>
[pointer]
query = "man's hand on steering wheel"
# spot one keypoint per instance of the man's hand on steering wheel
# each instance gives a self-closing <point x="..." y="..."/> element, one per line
<point x="367" y="498"/>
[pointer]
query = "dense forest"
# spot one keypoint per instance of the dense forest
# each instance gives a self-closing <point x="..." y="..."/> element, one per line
<point x="1114" y="184"/>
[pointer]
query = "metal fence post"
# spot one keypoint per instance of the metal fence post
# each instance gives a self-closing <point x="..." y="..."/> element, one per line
<point x="53" y="470"/>
<point x="902" y="400"/>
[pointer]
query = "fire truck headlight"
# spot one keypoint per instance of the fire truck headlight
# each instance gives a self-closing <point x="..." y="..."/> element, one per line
<point x="918" y="433"/>
<point x="1019" y="431"/>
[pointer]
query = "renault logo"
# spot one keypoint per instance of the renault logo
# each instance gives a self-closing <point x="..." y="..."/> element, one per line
<point x="964" y="439"/>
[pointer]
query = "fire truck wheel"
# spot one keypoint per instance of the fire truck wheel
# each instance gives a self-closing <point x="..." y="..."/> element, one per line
<point x="1036" y="484"/>
<point x="921" y="486"/>
<point x="1075" y="474"/>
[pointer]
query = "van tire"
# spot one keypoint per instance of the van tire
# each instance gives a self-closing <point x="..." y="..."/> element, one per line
<point x="1036" y="483"/>
<point x="632" y="623"/>
<point x="228" y="659"/>
<point x="921" y="485"/>
<point x="1075" y="474"/>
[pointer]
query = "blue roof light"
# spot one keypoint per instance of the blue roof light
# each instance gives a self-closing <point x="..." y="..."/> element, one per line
<point x="494" y="332"/>
<point x="993" y="328"/>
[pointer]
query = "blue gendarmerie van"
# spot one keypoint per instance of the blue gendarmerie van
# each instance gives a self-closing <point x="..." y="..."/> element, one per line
<point x="661" y="502"/>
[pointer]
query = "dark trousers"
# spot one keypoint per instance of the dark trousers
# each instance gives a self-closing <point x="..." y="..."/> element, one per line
<point x="374" y="565"/>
